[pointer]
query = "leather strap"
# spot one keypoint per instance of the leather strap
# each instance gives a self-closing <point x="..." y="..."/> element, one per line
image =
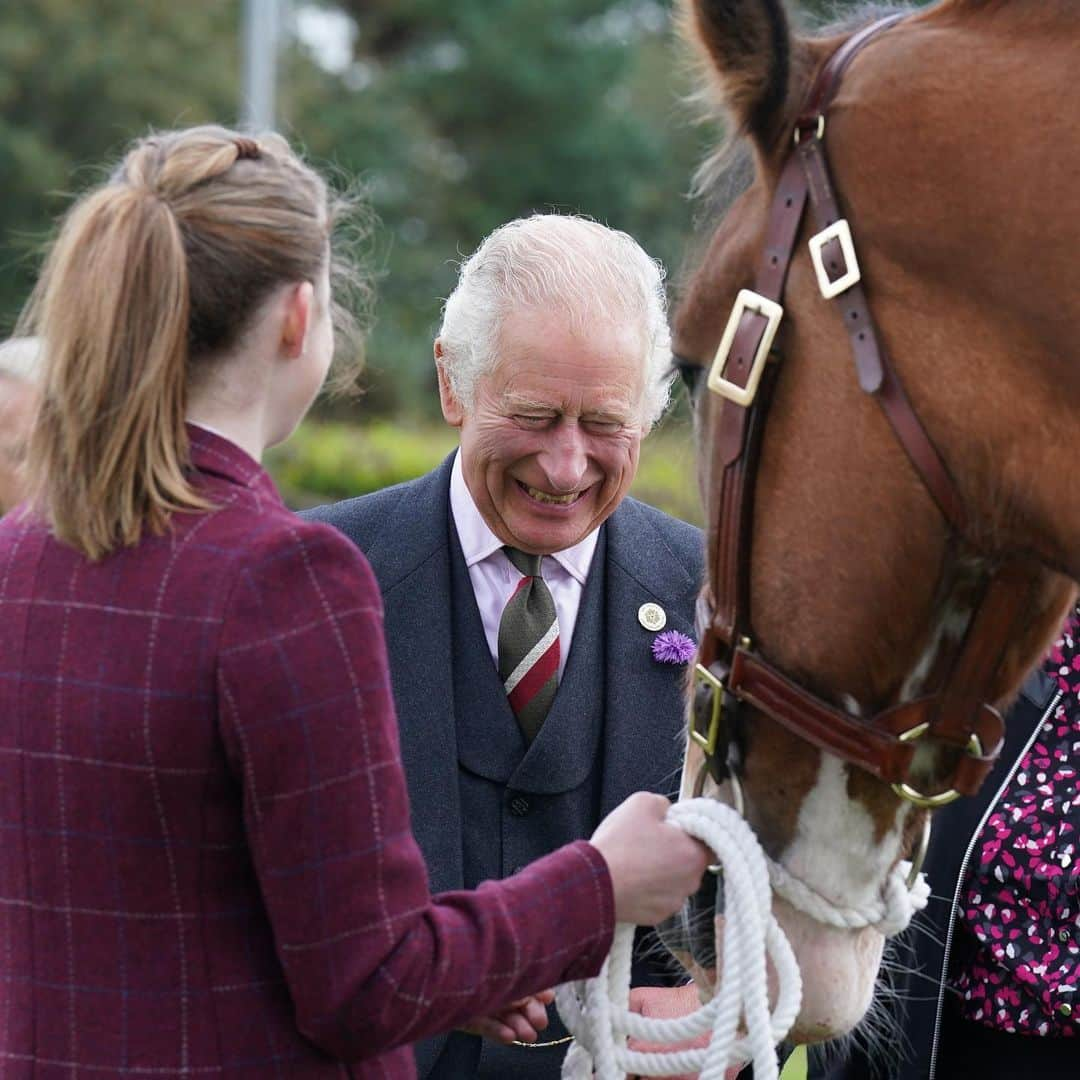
<point x="831" y="74"/>
<point x="876" y="374"/>
<point x="740" y="428"/>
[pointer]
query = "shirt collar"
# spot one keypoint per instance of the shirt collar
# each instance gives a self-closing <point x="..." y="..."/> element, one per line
<point x="478" y="542"/>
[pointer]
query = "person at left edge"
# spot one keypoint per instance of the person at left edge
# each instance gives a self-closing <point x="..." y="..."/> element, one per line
<point x="19" y="364"/>
<point x="553" y="362"/>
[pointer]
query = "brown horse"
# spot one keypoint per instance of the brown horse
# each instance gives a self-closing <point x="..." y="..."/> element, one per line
<point x="954" y="148"/>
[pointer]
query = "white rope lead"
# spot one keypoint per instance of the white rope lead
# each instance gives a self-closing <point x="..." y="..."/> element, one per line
<point x="596" y="1011"/>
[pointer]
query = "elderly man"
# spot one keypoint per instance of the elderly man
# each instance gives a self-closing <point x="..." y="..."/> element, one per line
<point x="18" y="380"/>
<point x="523" y="590"/>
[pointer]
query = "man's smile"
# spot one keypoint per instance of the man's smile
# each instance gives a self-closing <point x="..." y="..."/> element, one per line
<point x="551" y="500"/>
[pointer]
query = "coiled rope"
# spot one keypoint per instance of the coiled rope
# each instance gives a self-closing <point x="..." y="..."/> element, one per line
<point x="597" y="1010"/>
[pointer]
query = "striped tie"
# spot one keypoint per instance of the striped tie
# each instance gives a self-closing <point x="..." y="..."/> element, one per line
<point x="529" y="645"/>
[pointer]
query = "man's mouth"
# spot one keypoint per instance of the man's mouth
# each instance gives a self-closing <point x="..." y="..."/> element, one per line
<point x="551" y="500"/>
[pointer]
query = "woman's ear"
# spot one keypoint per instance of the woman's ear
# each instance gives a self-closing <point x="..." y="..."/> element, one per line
<point x="297" y="302"/>
<point x="452" y="411"/>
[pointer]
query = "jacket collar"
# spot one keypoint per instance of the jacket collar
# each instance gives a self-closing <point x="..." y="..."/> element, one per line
<point x="215" y="455"/>
<point x="416" y="529"/>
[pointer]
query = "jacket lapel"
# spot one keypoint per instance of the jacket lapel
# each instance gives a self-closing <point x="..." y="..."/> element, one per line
<point x="412" y="563"/>
<point x="645" y="698"/>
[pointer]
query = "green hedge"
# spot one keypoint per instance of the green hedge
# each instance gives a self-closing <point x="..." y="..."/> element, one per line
<point x="326" y="461"/>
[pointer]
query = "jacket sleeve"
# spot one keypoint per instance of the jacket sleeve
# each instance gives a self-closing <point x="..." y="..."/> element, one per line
<point x="307" y="718"/>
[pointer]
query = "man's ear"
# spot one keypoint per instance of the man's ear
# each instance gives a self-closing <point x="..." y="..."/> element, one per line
<point x="297" y="302"/>
<point x="452" y="411"/>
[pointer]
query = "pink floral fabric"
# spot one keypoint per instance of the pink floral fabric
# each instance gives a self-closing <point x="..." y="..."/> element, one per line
<point x="1021" y="897"/>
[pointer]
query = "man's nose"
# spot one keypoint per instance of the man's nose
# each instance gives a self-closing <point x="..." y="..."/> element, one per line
<point x="564" y="458"/>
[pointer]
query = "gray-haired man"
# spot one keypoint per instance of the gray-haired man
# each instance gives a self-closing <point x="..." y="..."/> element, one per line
<point x="523" y="590"/>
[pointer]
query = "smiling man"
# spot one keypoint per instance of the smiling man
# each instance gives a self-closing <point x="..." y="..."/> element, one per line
<point x="523" y="590"/>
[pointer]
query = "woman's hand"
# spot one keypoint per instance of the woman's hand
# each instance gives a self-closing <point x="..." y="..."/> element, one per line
<point x="654" y="865"/>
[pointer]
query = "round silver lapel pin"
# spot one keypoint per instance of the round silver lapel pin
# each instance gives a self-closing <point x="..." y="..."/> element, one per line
<point x="652" y="616"/>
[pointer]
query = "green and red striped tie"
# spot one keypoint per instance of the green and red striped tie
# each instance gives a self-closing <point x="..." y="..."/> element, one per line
<point x="529" y="645"/>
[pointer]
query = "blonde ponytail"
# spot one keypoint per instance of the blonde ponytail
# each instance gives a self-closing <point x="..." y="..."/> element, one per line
<point x="106" y="453"/>
<point x="153" y="276"/>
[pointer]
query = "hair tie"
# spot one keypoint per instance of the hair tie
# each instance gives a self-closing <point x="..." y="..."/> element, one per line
<point x="246" y="148"/>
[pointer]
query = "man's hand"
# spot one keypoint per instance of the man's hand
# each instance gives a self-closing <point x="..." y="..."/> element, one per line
<point x="665" y="1003"/>
<point x="521" y="1020"/>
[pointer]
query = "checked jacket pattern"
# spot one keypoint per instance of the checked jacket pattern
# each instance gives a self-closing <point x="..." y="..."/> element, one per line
<point x="206" y="866"/>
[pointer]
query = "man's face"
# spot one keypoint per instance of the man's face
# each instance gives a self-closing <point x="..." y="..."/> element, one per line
<point x="551" y="443"/>
<point x="16" y="416"/>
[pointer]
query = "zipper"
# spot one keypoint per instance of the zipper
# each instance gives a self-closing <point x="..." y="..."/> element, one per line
<point x="963" y="871"/>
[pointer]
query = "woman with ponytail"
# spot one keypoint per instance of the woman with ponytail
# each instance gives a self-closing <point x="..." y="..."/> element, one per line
<point x="206" y="867"/>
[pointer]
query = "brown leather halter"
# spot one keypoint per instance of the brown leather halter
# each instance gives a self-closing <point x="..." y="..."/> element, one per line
<point x="731" y="671"/>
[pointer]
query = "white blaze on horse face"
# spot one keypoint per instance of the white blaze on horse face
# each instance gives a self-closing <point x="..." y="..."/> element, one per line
<point x="837" y="852"/>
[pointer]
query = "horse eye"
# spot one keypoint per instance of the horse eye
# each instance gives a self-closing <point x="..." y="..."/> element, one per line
<point x="688" y="371"/>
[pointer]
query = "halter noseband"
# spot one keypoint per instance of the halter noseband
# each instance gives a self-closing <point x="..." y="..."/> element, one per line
<point x="731" y="671"/>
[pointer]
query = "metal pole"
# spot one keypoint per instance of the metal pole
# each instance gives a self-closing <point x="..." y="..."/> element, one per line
<point x="262" y="31"/>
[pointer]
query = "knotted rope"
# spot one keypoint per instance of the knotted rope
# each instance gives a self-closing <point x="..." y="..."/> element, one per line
<point x="889" y="915"/>
<point x="596" y="1011"/>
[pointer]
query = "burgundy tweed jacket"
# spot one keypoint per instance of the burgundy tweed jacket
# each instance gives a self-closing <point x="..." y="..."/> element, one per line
<point x="206" y="866"/>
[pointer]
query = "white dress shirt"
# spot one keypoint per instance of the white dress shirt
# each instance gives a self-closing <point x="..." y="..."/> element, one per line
<point x="494" y="578"/>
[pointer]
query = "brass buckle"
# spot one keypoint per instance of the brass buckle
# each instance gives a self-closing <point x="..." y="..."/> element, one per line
<point x="841" y="231"/>
<point x="913" y="795"/>
<point x="708" y="741"/>
<point x="747" y="300"/>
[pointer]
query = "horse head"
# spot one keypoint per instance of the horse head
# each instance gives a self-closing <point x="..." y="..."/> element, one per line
<point x="870" y="548"/>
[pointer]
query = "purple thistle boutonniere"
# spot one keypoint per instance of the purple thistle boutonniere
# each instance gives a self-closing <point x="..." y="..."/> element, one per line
<point x="671" y="647"/>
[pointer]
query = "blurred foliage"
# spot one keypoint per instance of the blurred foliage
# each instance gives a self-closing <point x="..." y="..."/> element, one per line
<point x="328" y="460"/>
<point x="455" y="117"/>
<point x="461" y="116"/>
<point x="77" y="82"/>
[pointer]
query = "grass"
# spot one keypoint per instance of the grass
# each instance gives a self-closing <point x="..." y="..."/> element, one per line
<point x="795" y="1068"/>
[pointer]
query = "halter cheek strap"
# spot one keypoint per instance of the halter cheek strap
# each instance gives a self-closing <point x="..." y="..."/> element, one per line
<point x="731" y="671"/>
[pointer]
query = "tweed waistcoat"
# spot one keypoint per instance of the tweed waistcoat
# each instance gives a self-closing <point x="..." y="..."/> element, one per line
<point x="519" y="802"/>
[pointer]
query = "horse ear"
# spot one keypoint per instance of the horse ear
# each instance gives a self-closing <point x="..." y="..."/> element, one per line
<point x="752" y="61"/>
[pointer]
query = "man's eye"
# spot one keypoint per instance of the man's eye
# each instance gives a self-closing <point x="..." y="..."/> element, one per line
<point x="532" y="421"/>
<point x="604" y="427"/>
